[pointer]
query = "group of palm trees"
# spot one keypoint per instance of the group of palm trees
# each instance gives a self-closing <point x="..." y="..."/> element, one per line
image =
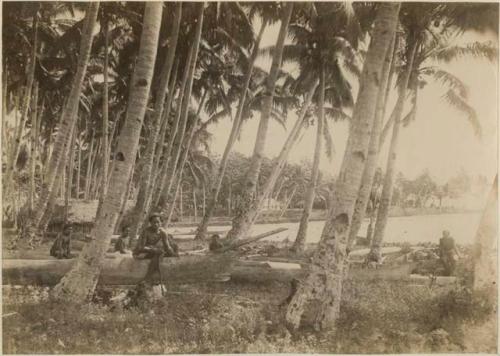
<point x="138" y="84"/>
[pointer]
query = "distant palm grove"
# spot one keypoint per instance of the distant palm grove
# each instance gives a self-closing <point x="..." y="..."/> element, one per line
<point x="117" y="102"/>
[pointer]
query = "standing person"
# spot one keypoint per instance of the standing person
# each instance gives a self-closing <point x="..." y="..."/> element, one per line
<point x="148" y="246"/>
<point x="448" y="253"/>
<point x="61" y="248"/>
<point x="121" y="244"/>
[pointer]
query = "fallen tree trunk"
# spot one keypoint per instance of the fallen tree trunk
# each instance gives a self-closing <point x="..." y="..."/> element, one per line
<point x="118" y="269"/>
<point x="124" y="270"/>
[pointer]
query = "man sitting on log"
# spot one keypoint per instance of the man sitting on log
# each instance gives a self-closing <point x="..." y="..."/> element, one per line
<point x="148" y="246"/>
<point x="61" y="248"/>
<point x="215" y="243"/>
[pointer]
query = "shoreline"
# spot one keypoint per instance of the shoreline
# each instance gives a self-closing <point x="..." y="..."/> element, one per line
<point x="320" y="216"/>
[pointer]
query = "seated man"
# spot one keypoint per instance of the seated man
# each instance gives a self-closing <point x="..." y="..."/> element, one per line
<point x="121" y="243"/>
<point x="61" y="248"/>
<point x="215" y="243"/>
<point x="148" y="246"/>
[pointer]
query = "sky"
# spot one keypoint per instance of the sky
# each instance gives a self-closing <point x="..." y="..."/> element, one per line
<point x="440" y="140"/>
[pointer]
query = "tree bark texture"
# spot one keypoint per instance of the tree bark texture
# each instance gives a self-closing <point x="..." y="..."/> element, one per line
<point x="323" y="283"/>
<point x="79" y="283"/>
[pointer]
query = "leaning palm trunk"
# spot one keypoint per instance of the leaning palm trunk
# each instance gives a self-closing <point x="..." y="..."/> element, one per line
<point x="145" y="182"/>
<point x="385" y="200"/>
<point x="486" y="244"/>
<point x="323" y="283"/>
<point x="69" y="176"/>
<point x="163" y="170"/>
<point x="278" y="165"/>
<point x="202" y="228"/>
<point x="34" y="138"/>
<point x="79" y="283"/>
<point x="68" y="118"/>
<point x="181" y="135"/>
<point x="252" y="176"/>
<point x="300" y="240"/>
<point x="164" y="134"/>
<point x="11" y="164"/>
<point x="105" y="112"/>
<point x="373" y="151"/>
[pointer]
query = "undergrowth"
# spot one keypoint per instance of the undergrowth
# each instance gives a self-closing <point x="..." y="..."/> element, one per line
<point x="376" y="317"/>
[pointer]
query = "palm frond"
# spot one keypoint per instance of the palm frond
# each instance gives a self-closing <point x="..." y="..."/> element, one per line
<point x="336" y="113"/>
<point x="461" y="105"/>
<point x="451" y="81"/>
<point x="486" y="50"/>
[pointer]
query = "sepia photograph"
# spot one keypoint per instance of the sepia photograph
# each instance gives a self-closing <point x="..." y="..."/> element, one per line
<point x="222" y="177"/>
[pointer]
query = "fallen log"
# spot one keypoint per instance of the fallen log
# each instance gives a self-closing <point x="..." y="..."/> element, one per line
<point x="124" y="269"/>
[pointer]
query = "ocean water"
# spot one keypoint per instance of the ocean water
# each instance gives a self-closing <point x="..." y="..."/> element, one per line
<point x="411" y="229"/>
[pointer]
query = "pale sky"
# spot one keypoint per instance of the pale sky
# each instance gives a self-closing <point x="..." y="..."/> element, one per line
<point x="440" y="139"/>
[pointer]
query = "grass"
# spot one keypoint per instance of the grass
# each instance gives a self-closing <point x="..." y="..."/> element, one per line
<point x="388" y="317"/>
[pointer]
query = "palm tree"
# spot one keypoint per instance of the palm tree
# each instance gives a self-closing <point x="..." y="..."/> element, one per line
<point x="145" y="181"/>
<point x="373" y="148"/>
<point x="318" y="49"/>
<point x="253" y="172"/>
<point x="428" y="45"/>
<point x="324" y="280"/>
<point x="79" y="283"/>
<point x="202" y="228"/>
<point x="68" y="119"/>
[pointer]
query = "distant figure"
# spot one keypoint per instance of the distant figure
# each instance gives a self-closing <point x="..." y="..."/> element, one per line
<point x="61" y="248"/>
<point x="148" y="246"/>
<point x="448" y="253"/>
<point x="121" y="243"/>
<point x="215" y="243"/>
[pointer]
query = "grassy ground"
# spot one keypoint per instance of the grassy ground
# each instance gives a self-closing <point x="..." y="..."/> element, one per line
<point x="228" y="317"/>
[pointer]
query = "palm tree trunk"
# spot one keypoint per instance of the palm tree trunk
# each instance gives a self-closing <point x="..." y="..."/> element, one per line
<point x="145" y="181"/>
<point x="204" y="198"/>
<point x="300" y="240"/>
<point x="69" y="175"/>
<point x="252" y="176"/>
<point x="373" y="151"/>
<point x="180" y="159"/>
<point x="280" y="162"/>
<point x="486" y="244"/>
<point x="105" y="111"/>
<point x="385" y="200"/>
<point x="88" y="175"/>
<point x="165" y="134"/>
<point x="324" y="279"/>
<point x="287" y="203"/>
<point x="235" y="129"/>
<point x="11" y="164"/>
<point x="68" y="118"/>
<point x="79" y="283"/>
<point x="175" y="135"/>
<point x="34" y="138"/>
<point x="195" y="206"/>
<point x="79" y="170"/>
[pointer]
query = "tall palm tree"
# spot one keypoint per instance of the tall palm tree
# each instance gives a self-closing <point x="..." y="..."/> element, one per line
<point x="324" y="280"/>
<point x="79" y="283"/>
<point x="260" y="141"/>
<point x="68" y="119"/>
<point x="429" y="45"/>
<point x="202" y="228"/>
<point x="145" y="181"/>
<point x="319" y="48"/>
<point x="373" y="148"/>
